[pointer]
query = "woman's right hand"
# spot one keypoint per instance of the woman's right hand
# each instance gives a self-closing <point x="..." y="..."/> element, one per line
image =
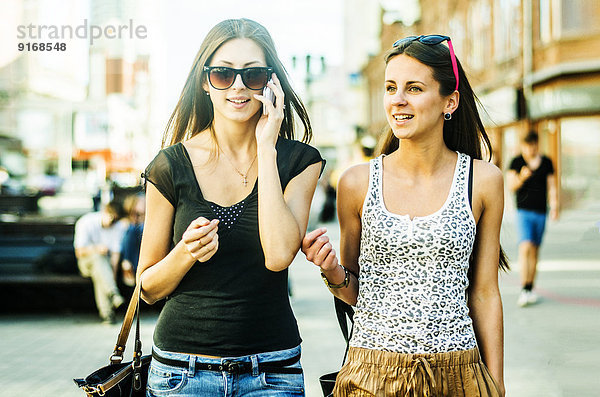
<point x="201" y="239"/>
<point x="318" y="250"/>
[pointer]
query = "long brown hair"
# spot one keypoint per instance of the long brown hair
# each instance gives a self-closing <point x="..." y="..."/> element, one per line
<point x="194" y="111"/>
<point x="465" y="132"/>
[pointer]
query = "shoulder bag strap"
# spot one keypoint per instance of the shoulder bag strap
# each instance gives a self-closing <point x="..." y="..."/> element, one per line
<point x="132" y="311"/>
<point x="344" y="313"/>
<point x="470" y="188"/>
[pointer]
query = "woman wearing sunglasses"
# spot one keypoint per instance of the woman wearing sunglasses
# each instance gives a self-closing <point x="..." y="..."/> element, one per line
<point x="420" y="247"/>
<point x="227" y="208"/>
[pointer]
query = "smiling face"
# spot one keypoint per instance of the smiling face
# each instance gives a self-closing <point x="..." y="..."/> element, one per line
<point x="413" y="105"/>
<point x="237" y="102"/>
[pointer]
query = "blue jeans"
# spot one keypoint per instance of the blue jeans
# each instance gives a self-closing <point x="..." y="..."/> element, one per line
<point x="165" y="380"/>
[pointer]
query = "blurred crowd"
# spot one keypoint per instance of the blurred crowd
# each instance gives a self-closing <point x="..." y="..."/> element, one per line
<point x="107" y="245"/>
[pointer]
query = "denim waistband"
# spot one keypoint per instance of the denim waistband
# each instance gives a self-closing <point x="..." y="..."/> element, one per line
<point x="274" y="361"/>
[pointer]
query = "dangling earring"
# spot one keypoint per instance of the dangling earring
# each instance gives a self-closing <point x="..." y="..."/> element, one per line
<point x="447" y="116"/>
<point x="207" y="93"/>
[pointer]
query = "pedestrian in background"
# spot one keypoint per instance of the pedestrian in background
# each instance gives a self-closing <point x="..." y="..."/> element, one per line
<point x="226" y="210"/>
<point x="97" y="243"/>
<point x="327" y="213"/>
<point x="420" y="240"/>
<point x="135" y="207"/>
<point x="531" y="177"/>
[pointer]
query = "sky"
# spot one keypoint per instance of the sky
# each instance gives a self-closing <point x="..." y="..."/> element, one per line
<point x="176" y="28"/>
<point x="297" y="27"/>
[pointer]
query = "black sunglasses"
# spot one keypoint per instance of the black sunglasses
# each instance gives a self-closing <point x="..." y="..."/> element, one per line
<point x="434" y="39"/>
<point x="222" y="77"/>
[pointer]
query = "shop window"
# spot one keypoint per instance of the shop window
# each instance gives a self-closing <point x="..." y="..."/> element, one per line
<point x="510" y="149"/>
<point x="579" y="17"/>
<point x="507" y="29"/>
<point x="580" y="145"/>
<point x="479" y="21"/>
<point x="545" y="22"/>
<point x="567" y="19"/>
<point x="510" y="146"/>
<point x="456" y="29"/>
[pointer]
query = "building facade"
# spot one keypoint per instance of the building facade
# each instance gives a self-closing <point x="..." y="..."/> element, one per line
<point x="80" y="115"/>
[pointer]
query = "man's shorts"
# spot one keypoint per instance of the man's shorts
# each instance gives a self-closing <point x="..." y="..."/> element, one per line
<point x="531" y="225"/>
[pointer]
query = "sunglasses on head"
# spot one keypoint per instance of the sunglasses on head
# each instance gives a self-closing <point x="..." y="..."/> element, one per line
<point x="433" y="39"/>
<point x="222" y="77"/>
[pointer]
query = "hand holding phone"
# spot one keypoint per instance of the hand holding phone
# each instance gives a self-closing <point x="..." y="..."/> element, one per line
<point x="268" y="93"/>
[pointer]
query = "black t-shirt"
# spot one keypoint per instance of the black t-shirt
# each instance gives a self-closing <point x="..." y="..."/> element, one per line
<point x="533" y="194"/>
<point x="231" y="305"/>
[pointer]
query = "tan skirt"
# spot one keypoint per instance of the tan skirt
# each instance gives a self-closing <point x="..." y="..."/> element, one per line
<point x="378" y="373"/>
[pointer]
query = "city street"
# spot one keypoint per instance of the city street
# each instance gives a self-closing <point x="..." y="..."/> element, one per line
<point x="551" y="349"/>
<point x="98" y="98"/>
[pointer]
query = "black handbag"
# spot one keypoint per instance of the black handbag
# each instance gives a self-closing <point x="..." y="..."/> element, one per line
<point x="120" y="379"/>
<point x="344" y="313"/>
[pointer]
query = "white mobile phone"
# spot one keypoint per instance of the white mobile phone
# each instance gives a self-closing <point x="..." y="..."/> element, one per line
<point x="268" y="93"/>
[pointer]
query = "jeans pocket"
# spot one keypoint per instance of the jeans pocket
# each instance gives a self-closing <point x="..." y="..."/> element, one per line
<point x="284" y="382"/>
<point x="163" y="379"/>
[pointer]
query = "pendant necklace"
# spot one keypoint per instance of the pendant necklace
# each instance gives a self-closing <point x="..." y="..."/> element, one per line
<point x="243" y="175"/>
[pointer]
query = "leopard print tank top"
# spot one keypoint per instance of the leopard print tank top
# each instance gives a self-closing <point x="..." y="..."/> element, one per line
<point x="413" y="273"/>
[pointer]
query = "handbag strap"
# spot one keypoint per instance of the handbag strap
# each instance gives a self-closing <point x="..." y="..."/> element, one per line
<point x="470" y="185"/>
<point x="344" y="313"/>
<point x="132" y="311"/>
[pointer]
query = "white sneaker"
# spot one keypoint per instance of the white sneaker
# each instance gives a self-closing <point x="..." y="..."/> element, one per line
<point x="532" y="298"/>
<point x="523" y="298"/>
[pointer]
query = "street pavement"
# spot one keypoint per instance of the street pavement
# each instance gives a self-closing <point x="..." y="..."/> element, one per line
<point x="552" y="348"/>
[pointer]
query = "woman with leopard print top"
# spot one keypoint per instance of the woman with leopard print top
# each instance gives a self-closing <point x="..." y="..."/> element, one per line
<point x="420" y="240"/>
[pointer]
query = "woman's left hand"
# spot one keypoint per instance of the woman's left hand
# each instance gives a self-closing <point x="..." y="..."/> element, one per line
<point x="318" y="250"/>
<point x="267" y="129"/>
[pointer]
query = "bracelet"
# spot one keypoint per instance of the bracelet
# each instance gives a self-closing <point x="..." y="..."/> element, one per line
<point x="343" y="284"/>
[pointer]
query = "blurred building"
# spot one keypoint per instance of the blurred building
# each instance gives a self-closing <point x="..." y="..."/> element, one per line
<point x="336" y="95"/>
<point x="38" y="90"/>
<point x="324" y="94"/>
<point x="533" y="64"/>
<point x="370" y="27"/>
<point x="80" y="116"/>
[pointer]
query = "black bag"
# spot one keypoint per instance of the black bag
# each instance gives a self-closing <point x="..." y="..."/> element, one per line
<point x="120" y="379"/>
<point x="344" y="313"/>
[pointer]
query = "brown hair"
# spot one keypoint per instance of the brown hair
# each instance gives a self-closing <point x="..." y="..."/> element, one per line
<point x="114" y="208"/>
<point x="531" y="137"/>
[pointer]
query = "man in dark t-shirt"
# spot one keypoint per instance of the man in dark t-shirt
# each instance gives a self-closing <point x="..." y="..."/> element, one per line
<point x="531" y="177"/>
